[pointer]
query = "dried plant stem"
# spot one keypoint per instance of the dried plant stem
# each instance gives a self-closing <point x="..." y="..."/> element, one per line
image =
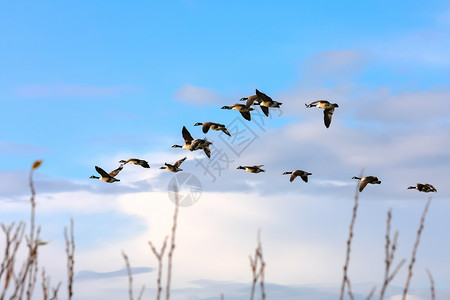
<point x="70" y="253"/>
<point x="433" y="295"/>
<point x="130" y="276"/>
<point x="345" y="279"/>
<point x="257" y="274"/>
<point x="159" y="256"/>
<point x="389" y="255"/>
<point x="45" y="282"/>
<point x="372" y="291"/>
<point x="172" y="245"/>
<point x="416" y="246"/>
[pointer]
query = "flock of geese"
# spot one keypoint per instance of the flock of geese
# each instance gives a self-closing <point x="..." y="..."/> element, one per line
<point x="265" y="103"/>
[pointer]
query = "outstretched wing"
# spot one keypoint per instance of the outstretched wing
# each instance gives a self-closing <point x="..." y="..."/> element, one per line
<point x="327" y="114"/>
<point x="101" y="172"/>
<point x="207" y="151"/>
<point x="362" y="185"/>
<point x="265" y="110"/>
<point x="206" y="126"/>
<point x="186" y="135"/>
<point x="144" y="163"/>
<point x="293" y="175"/>
<point x="304" y="177"/>
<point x="178" y="163"/>
<point x="246" y="115"/>
<point x="116" y="171"/>
<point x="250" y="101"/>
<point x="226" y="131"/>
<point x="263" y="97"/>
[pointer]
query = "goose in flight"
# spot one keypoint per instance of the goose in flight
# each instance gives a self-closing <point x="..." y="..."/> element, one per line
<point x="366" y="180"/>
<point x="423" y="187"/>
<point x="175" y="167"/>
<point x="243" y="109"/>
<point x="328" y="109"/>
<point x="107" y="177"/>
<point x="252" y="169"/>
<point x="213" y="126"/>
<point x="262" y="100"/>
<point x="294" y="174"/>
<point x="194" y="144"/>
<point x="136" y="161"/>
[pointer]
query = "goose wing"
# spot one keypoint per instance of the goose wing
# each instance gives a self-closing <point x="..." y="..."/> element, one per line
<point x="178" y="163"/>
<point x="225" y="131"/>
<point x="327" y="114"/>
<point x="102" y="172"/>
<point x="265" y="110"/>
<point x="246" y="115"/>
<point x="304" y="176"/>
<point x="363" y="184"/>
<point x="293" y="176"/>
<point x="207" y="151"/>
<point x="206" y="126"/>
<point x="263" y="97"/>
<point x="186" y="135"/>
<point x="116" y="171"/>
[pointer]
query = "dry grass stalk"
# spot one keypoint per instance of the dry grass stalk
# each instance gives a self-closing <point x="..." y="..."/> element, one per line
<point x="416" y="246"/>
<point x="70" y="253"/>
<point x="130" y="276"/>
<point x="45" y="283"/>
<point x="172" y="244"/>
<point x="372" y="291"/>
<point x="257" y="273"/>
<point x="433" y="294"/>
<point x="159" y="257"/>
<point x="221" y="297"/>
<point x="389" y="255"/>
<point x="345" y="279"/>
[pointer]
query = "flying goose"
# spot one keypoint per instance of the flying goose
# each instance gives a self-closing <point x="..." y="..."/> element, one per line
<point x="302" y="174"/>
<point x="243" y="109"/>
<point x="136" y="161"/>
<point x="175" y="167"/>
<point x="252" y="169"/>
<point x="192" y="145"/>
<point x="328" y="109"/>
<point x="423" y="187"/>
<point x="214" y="126"/>
<point x="262" y="100"/>
<point x="366" y="180"/>
<point x="107" y="177"/>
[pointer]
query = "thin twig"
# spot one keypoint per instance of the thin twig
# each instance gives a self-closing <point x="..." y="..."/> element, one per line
<point x="433" y="295"/>
<point x="130" y="276"/>
<point x="172" y="244"/>
<point x="416" y="246"/>
<point x="372" y="291"/>
<point x="159" y="257"/>
<point x="70" y="253"/>
<point x="345" y="278"/>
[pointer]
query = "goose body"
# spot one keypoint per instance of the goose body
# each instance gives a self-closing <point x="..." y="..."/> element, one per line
<point x="303" y="175"/>
<point x="175" y="167"/>
<point x="328" y="110"/>
<point x="366" y="180"/>
<point x="206" y="126"/>
<point x="243" y="109"/>
<point x="194" y="144"/>
<point x="252" y="169"/>
<point x="423" y="187"/>
<point x="136" y="161"/>
<point x="107" y="177"/>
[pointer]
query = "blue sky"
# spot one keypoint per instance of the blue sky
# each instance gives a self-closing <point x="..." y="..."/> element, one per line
<point x="87" y="84"/>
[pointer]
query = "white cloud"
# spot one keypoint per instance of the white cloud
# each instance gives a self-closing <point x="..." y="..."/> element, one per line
<point x="198" y="95"/>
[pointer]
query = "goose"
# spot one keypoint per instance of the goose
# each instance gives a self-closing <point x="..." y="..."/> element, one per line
<point x="214" y="126"/>
<point x="302" y="174"/>
<point x="366" y="180"/>
<point x="252" y="169"/>
<point x="107" y="177"/>
<point x="328" y="109"/>
<point x="175" y="167"/>
<point x="243" y="109"/>
<point x="423" y="187"/>
<point x="136" y="161"/>
<point x="262" y="100"/>
<point x="192" y="145"/>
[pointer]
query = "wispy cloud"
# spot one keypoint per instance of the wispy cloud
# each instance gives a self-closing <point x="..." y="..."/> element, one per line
<point x="87" y="274"/>
<point x="16" y="149"/>
<point x="72" y="90"/>
<point x="198" y="95"/>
